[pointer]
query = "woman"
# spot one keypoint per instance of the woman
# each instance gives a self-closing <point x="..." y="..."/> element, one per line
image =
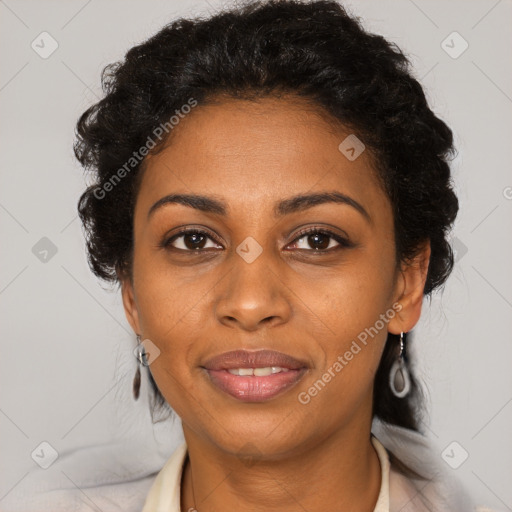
<point x="273" y="196"/>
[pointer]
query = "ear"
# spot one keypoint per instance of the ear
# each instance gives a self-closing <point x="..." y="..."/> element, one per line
<point x="409" y="288"/>
<point x="130" y="304"/>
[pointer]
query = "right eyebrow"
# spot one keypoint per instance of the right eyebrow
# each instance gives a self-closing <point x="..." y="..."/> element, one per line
<point x="202" y="203"/>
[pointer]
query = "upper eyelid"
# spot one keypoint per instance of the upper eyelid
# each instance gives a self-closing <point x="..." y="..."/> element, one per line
<point x="313" y="229"/>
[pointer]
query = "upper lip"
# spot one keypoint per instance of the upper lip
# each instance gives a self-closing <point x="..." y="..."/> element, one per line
<point x="254" y="359"/>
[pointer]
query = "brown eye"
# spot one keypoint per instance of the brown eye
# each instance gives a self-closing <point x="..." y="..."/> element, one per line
<point x="190" y="240"/>
<point x="194" y="241"/>
<point x="316" y="240"/>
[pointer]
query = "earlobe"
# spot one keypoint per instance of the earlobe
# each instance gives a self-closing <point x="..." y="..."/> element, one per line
<point x="410" y="287"/>
<point x="130" y="304"/>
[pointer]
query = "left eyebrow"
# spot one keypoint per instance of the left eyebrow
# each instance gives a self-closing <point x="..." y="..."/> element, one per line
<point x="284" y="207"/>
<point x="303" y="202"/>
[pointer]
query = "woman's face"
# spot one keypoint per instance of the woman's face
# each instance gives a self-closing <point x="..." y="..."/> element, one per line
<point x="257" y="282"/>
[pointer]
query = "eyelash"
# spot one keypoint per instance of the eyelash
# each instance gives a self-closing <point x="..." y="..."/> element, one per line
<point x="343" y="242"/>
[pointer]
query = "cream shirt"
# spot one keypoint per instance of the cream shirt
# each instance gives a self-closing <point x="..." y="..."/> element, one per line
<point x="165" y="494"/>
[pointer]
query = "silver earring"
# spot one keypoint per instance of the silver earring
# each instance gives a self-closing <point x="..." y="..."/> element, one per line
<point x="399" y="380"/>
<point x="140" y="354"/>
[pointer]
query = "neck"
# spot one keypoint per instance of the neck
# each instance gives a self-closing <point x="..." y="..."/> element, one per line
<point x="341" y="473"/>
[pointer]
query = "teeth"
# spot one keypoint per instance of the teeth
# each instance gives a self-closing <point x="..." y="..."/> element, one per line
<point x="258" y="372"/>
<point x="263" y="372"/>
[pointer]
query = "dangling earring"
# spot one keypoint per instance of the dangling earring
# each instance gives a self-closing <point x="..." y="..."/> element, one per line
<point x="140" y="354"/>
<point x="399" y="380"/>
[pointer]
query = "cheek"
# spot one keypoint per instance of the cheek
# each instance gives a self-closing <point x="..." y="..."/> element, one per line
<point x="357" y="322"/>
<point x="344" y="376"/>
<point x="355" y="305"/>
<point x="168" y="318"/>
<point x="353" y="297"/>
<point x="163" y="294"/>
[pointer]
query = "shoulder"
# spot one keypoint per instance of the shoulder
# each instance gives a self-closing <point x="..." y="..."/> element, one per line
<point x="438" y="491"/>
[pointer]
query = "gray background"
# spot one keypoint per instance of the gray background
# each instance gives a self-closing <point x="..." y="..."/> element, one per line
<point x="67" y="363"/>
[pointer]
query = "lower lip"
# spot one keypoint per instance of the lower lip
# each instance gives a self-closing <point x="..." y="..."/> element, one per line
<point x="255" y="389"/>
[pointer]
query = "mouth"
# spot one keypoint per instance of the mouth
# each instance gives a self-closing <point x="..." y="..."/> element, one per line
<point x="254" y="376"/>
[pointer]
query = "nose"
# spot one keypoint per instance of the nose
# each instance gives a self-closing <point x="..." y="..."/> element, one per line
<point x="253" y="295"/>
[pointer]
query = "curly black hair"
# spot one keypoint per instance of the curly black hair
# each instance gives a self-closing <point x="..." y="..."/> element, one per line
<point x="315" y="50"/>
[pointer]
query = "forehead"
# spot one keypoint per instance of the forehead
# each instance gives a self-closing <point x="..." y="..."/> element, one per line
<point x="253" y="152"/>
